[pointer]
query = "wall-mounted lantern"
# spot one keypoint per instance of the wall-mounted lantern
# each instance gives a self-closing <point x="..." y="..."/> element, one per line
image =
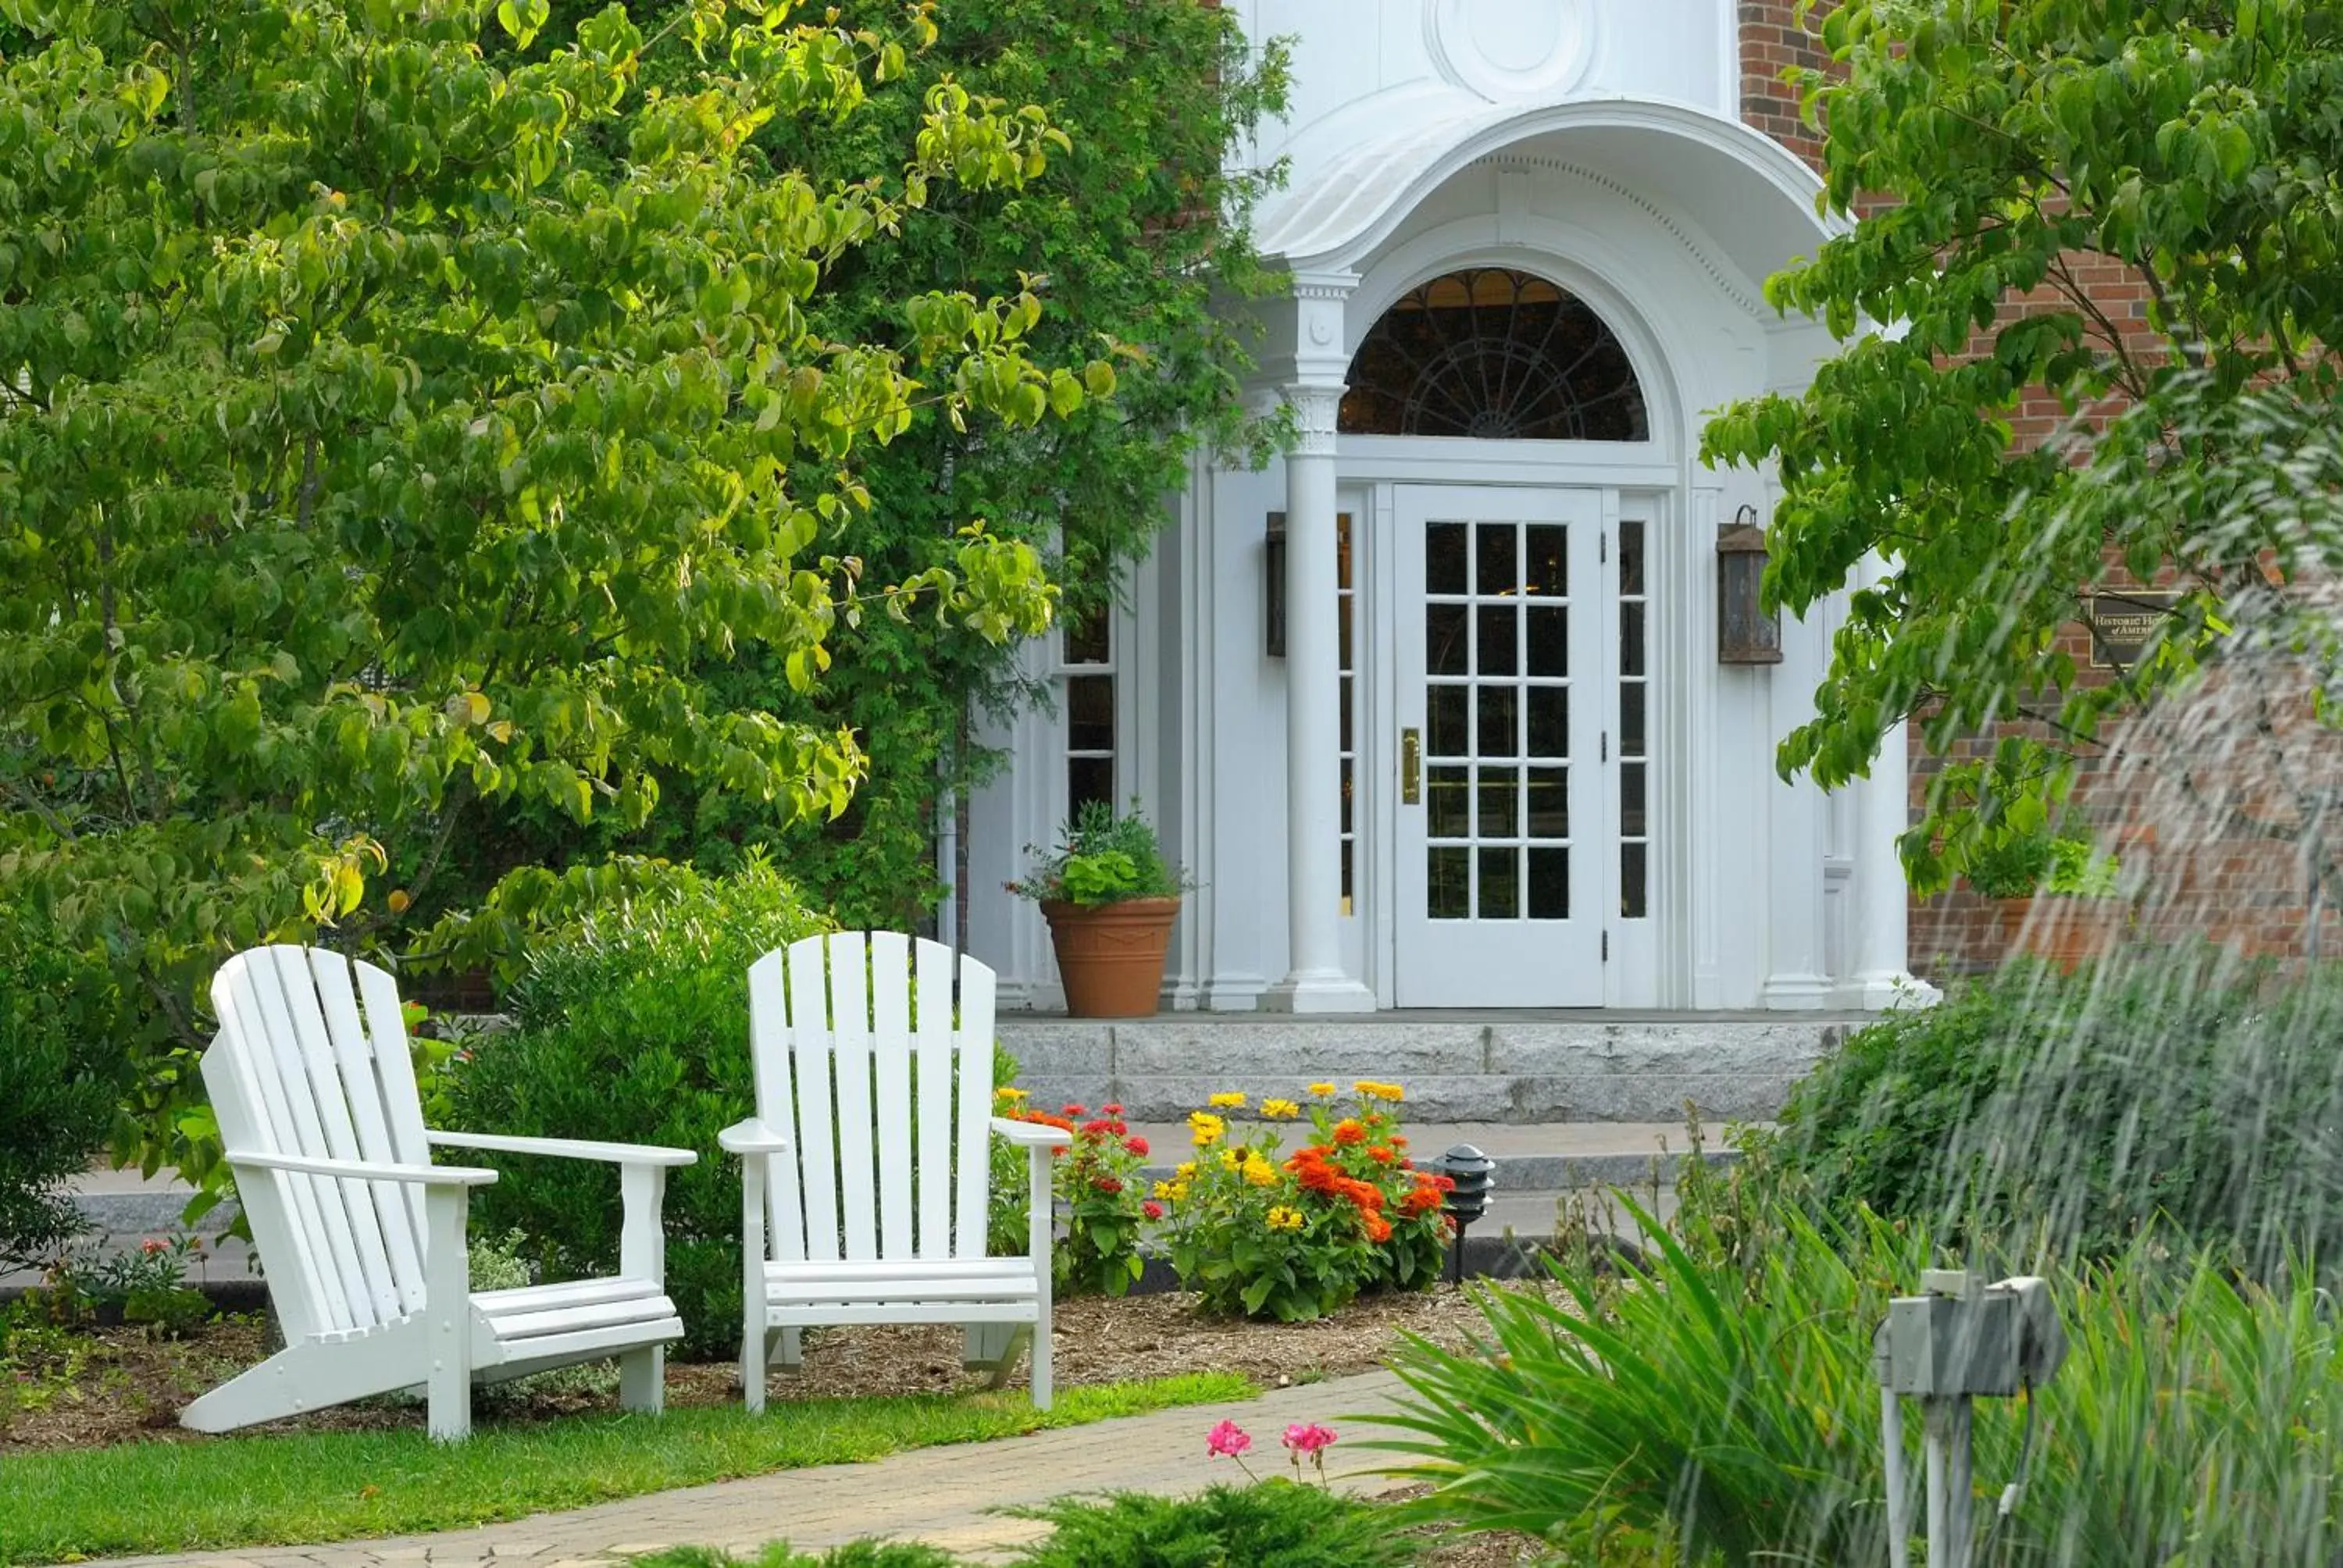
<point x="1746" y="632"/>
<point x="1274" y="586"/>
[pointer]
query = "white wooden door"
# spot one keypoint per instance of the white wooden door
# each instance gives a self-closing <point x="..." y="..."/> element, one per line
<point x="1504" y="677"/>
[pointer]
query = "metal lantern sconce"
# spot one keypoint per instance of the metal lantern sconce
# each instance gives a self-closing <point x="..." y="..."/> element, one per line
<point x="1273" y="584"/>
<point x="1746" y="632"/>
<point x="1474" y="1176"/>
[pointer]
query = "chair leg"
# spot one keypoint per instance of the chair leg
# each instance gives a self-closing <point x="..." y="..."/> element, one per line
<point x="753" y="1351"/>
<point x="642" y="1380"/>
<point x="789" y="1349"/>
<point x="446" y="1312"/>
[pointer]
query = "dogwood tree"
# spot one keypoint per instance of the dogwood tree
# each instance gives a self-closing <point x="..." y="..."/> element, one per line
<point x="400" y="418"/>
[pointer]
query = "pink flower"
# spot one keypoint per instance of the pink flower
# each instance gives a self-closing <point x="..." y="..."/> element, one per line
<point x="1137" y="1146"/>
<point x="1152" y="1209"/>
<point x="1308" y="1439"/>
<point x="151" y="1245"/>
<point x="1227" y="1439"/>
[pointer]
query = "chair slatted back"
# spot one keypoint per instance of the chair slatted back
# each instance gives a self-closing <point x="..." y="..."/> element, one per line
<point x="886" y="1097"/>
<point x="312" y="1060"/>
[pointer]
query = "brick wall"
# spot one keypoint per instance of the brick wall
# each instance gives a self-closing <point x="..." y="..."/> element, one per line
<point x="2198" y="803"/>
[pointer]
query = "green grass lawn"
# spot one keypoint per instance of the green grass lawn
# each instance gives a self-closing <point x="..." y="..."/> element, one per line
<point x="61" y="1504"/>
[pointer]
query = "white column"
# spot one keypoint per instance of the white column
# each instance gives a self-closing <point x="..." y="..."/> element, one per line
<point x="1795" y="979"/>
<point x="1315" y="982"/>
<point x="1883" y="811"/>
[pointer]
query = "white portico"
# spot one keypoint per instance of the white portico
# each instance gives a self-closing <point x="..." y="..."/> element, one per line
<point x="1432" y="709"/>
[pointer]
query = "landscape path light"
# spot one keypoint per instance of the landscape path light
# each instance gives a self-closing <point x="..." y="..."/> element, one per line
<point x="1473" y="1176"/>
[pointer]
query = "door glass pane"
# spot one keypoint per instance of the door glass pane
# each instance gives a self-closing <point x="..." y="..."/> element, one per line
<point x="1547" y="576"/>
<point x="1495" y="654"/>
<point x="1631" y="640"/>
<point x="1090" y="713"/>
<point x="1449" y="882"/>
<point x="1443" y="558"/>
<point x="1446" y="651"/>
<point x="1500" y="814"/>
<point x="1089" y="778"/>
<point x="1634" y="900"/>
<point x="1630" y="719"/>
<point x="1498" y="575"/>
<point x="1549" y="884"/>
<point x="1631" y="560"/>
<point x="1500" y="721"/>
<point x="1448" y="802"/>
<point x="1445" y="732"/>
<point x="1501" y="884"/>
<point x="1549" y="640"/>
<point x="1631" y="799"/>
<point x="1549" y="721"/>
<point x="1549" y="789"/>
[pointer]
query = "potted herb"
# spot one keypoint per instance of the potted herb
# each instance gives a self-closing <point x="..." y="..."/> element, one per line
<point x="2057" y="897"/>
<point x="1109" y="897"/>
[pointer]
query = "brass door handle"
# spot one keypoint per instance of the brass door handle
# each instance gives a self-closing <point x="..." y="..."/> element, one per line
<point x="1411" y="767"/>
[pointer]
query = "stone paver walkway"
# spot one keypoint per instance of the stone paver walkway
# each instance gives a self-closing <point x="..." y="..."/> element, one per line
<point x="940" y="1495"/>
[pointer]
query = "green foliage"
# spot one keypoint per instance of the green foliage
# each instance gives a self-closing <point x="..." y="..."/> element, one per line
<point x="631" y="1024"/>
<point x="1105" y="858"/>
<point x="404" y="426"/>
<point x="1980" y="151"/>
<point x="1275" y="1524"/>
<point x="60" y="1075"/>
<point x="2073" y="1114"/>
<point x="2019" y="868"/>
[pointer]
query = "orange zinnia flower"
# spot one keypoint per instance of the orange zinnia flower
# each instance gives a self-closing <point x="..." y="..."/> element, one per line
<point x="1349" y="1131"/>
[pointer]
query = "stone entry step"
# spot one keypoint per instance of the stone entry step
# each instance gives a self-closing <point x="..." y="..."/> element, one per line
<point x="1510" y="1068"/>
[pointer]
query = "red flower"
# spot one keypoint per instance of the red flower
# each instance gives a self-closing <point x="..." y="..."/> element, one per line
<point x="1349" y="1131"/>
<point x="1152" y="1209"/>
<point x="1098" y="1127"/>
<point x="1378" y="1228"/>
<point x="1424" y="1199"/>
<point x="1365" y="1194"/>
<point x="1383" y="1156"/>
<point x="1109" y="1184"/>
<point x="1074" y="1111"/>
<point x="1112" y="1109"/>
<point x="1137" y="1146"/>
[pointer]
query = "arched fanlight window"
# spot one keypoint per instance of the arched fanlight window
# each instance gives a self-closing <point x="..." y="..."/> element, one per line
<point x="1497" y="354"/>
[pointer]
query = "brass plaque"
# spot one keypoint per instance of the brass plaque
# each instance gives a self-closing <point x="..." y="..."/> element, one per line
<point x="2122" y="621"/>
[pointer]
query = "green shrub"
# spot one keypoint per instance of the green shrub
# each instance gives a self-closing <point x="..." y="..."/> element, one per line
<point x="2035" y="1109"/>
<point x="1103" y="858"/>
<point x="61" y="1077"/>
<point x="1716" y="1405"/>
<point x="1274" y="1524"/>
<point x="631" y="1024"/>
<point x="853" y="1554"/>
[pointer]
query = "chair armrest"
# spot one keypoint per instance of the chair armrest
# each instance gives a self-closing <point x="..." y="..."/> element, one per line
<point x="565" y="1147"/>
<point x="366" y="1170"/>
<point x="1032" y="1134"/>
<point x="751" y="1137"/>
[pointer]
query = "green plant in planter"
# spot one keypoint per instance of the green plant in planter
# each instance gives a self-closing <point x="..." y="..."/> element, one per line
<point x="2060" y="868"/>
<point x="1105" y="858"/>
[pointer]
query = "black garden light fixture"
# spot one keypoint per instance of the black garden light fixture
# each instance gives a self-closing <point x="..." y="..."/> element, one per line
<point x="1474" y="1176"/>
<point x="1745" y="633"/>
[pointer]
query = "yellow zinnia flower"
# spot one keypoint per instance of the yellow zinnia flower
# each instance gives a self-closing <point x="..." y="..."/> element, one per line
<point x="1284" y="1219"/>
<point x="1280" y="1110"/>
<point x="1373" y="1090"/>
<point x="1186" y="1169"/>
<point x="1322" y="1089"/>
<point x="1207" y="1128"/>
<point x="1007" y="1093"/>
<point x="1225" y="1100"/>
<point x="1260" y="1173"/>
<point x="1170" y="1192"/>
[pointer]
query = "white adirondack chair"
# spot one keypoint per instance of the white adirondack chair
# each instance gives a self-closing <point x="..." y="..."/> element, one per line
<point x="363" y="1236"/>
<point x="885" y="1100"/>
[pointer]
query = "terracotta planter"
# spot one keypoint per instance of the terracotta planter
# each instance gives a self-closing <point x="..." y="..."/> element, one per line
<point x="2063" y="931"/>
<point x="1110" y="956"/>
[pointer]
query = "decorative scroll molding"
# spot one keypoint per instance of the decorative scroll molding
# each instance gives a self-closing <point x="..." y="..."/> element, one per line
<point x="1734" y="288"/>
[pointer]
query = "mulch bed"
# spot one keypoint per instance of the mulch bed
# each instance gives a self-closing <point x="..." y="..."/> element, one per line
<point x="90" y="1387"/>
